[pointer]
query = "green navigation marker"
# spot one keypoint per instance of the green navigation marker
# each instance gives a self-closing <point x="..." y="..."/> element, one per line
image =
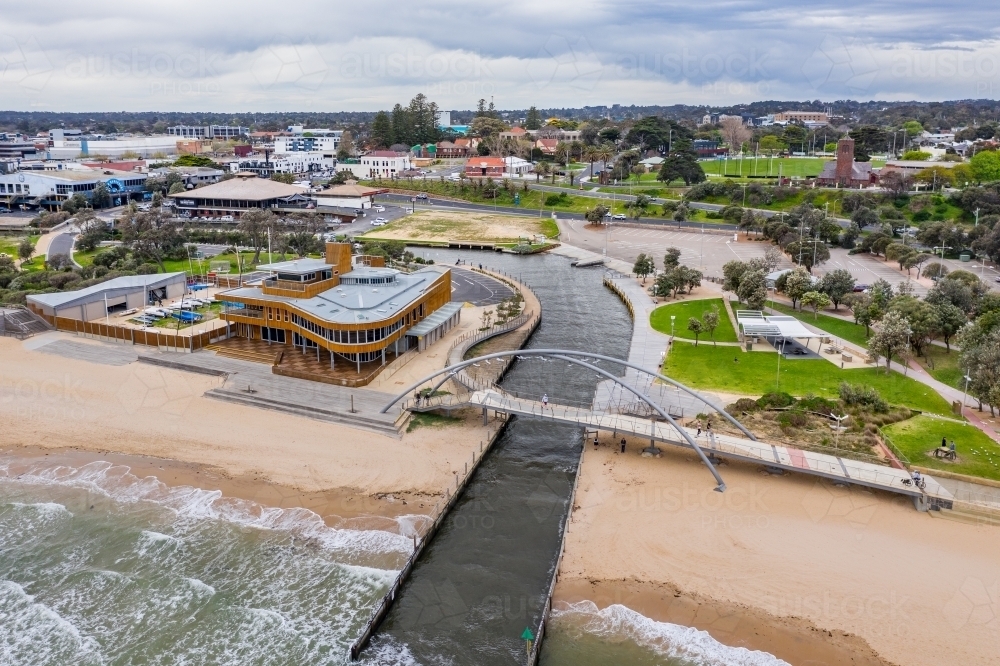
<point x="527" y="635"/>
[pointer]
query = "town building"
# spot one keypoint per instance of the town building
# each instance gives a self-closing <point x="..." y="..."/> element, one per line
<point x="208" y="131"/>
<point x="344" y="311"/>
<point x="485" y="167"/>
<point x="116" y="295"/>
<point x="821" y="117"/>
<point x="378" y="164"/>
<point x="111" y="147"/>
<point x="515" y="166"/>
<point x="844" y="171"/>
<point x="912" y="167"/>
<point x="707" y="148"/>
<point x="48" y="189"/>
<point x="348" y="196"/>
<point x="327" y="145"/>
<point x="293" y="163"/>
<point x="547" y="146"/>
<point x="236" y="196"/>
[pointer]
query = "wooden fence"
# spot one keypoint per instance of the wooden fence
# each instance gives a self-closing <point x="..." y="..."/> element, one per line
<point x="163" y="341"/>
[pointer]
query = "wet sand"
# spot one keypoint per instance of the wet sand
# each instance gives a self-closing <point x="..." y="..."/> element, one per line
<point x="794" y="565"/>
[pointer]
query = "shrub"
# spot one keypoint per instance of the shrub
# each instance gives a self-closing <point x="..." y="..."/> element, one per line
<point x="860" y="395"/>
<point x="556" y="199"/>
<point x="771" y="400"/>
<point x="816" y="404"/>
<point x="743" y="405"/>
<point x="792" y="419"/>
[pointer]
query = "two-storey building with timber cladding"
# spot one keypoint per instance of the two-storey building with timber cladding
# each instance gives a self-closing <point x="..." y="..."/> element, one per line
<point x="344" y="310"/>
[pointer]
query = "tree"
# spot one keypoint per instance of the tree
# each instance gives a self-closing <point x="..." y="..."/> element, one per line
<point x="881" y="294"/>
<point x="935" y="176"/>
<point x="950" y="320"/>
<point x="921" y="317"/>
<point x="255" y="225"/>
<point x="176" y="188"/>
<point x="734" y="133"/>
<point x="771" y="144"/>
<point x="672" y="258"/>
<point x="865" y="314"/>
<point x="985" y="166"/>
<point x="541" y="169"/>
<point x="896" y="182"/>
<point x="681" y="165"/>
<point x="817" y="300"/>
<point x="533" y="119"/>
<point x="864" y="217"/>
<point x="597" y="214"/>
<point x="285" y="178"/>
<point x="639" y="206"/>
<point x="7" y="264"/>
<point x="643" y="266"/>
<point x="899" y="253"/>
<point x="696" y="327"/>
<point x="346" y="147"/>
<point x="93" y="230"/>
<point x="772" y="258"/>
<point x="956" y="292"/>
<point x="868" y="139"/>
<point x="808" y="253"/>
<point x="797" y="283"/>
<point x="100" y="197"/>
<point x="889" y="339"/>
<point x="25" y="249"/>
<point x="381" y="134"/>
<point x="710" y="321"/>
<point x="753" y="290"/>
<point x="916" y="156"/>
<point x="837" y="284"/>
<point x="913" y="128"/>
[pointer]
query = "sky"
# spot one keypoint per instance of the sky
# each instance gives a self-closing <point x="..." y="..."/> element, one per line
<point x="105" y="55"/>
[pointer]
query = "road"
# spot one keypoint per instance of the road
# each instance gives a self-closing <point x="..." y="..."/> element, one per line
<point x="61" y="244"/>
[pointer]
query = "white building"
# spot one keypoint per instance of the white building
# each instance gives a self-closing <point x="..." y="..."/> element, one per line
<point x="207" y="131"/>
<point x="147" y="146"/>
<point x="327" y="145"/>
<point x="378" y="164"/>
<point x="516" y="166"/>
<point x="49" y="189"/>
<point x="299" y="162"/>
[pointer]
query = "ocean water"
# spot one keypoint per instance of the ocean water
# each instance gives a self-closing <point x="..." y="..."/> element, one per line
<point x="100" y="567"/>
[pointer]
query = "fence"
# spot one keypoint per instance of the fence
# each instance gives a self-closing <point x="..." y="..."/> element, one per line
<point x="421" y="542"/>
<point x="137" y="336"/>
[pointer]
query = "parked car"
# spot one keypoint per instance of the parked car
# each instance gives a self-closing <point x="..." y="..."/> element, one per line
<point x="228" y="218"/>
<point x="860" y="287"/>
<point x="422" y="196"/>
<point x="619" y="216"/>
<point x="382" y="220"/>
<point x="379" y="209"/>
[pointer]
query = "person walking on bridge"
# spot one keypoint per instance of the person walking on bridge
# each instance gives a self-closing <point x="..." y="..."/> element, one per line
<point x="545" y="400"/>
<point x="623" y="445"/>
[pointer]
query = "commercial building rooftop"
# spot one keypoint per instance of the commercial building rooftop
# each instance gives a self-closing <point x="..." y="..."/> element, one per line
<point x="350" y="303"/>
<point x="111" y="288"/>
<point x="243" y="189"/>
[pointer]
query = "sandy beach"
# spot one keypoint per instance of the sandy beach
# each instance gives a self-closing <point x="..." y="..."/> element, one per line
<point x="159" y="421"/>
<point x="810" y="572"/>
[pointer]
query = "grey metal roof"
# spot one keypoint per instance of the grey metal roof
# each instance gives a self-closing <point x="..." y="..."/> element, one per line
<point x="113" y="287"/>
<point x="438" y="317"/>
<point x="304" y="265"/>
<point x="356" y="303"/>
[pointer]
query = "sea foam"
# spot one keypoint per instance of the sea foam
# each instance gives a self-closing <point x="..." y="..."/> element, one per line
<point x="671" y="640"/>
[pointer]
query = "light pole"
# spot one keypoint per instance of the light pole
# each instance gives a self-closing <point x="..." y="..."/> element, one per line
<point x="777" y="379"/>
<point x="836" y="441"/>
<point x="702" y="251"/>
<point x="968" y="378"/>
<point x="672" y="318"/>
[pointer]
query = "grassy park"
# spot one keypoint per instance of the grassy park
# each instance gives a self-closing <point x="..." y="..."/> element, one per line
<point x="755" y="373"/>
<point x="8" y="246"/>
<point x="978" y="455"/>
<point x="683" y="311"/>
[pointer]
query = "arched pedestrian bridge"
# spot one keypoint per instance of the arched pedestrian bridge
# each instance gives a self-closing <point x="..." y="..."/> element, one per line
<point x="630" y="405"/>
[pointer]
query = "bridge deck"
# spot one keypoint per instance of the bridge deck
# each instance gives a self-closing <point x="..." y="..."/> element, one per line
<point x="845" y="470"/>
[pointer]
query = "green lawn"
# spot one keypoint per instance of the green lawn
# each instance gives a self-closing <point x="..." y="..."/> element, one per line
<point x="8" y="246"/>
<point x="530" y="200"/>
<point x="978" y="455"/>
<point x="713" y="368"/>
<point x="790" y="166"/>
<point x="660" y="319"/>
<point x="945" y="368"/>
<point x="847" y="330"/>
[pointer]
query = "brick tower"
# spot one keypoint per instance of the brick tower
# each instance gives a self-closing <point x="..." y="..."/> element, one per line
<point x="845" y="162"/>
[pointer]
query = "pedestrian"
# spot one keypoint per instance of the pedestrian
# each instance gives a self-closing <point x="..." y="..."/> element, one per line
<point x="944" y="443"/>
<point x="708" y="429"/>
<point x="736" y="359"/>
<point x="623" y="445"/>
<point x="595" y="442"/>
<point x="698" y="434"/>
<point x="952" y="446"/>
<point x="545" y="400"/>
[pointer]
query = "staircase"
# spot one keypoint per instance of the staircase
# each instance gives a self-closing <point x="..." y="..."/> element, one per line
<point x="21" y="323"/>
<point x="969" y="514"/>
<point x="233" y="349"/>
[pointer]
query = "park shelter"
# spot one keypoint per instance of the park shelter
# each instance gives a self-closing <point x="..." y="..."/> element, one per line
<point x="755" y="323"/>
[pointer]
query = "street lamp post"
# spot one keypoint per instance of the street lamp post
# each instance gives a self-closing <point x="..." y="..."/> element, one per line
<point x="836" y="441"/>
<point x="672" y="318"/>
<point x="968" y="378"/>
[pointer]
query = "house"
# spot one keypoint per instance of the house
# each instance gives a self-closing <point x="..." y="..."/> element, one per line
<point x="547" y="146"/>
<point x="652" y="163"/>
<point x="514" y="133"/>
<point x="485" y="167"/>
<point x="820" y="117"/>
<point x="844" y="171"/>
<point x="912" y="167"/>
<point x="450" y="150"/>
<point x="707" y="148"/>
<point x="287" y="163"/>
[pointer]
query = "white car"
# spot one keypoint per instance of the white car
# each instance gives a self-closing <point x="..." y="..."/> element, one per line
<point x="379" y="209"/>
<point x="228" y="218"/>
<point x="619" y="216"/>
